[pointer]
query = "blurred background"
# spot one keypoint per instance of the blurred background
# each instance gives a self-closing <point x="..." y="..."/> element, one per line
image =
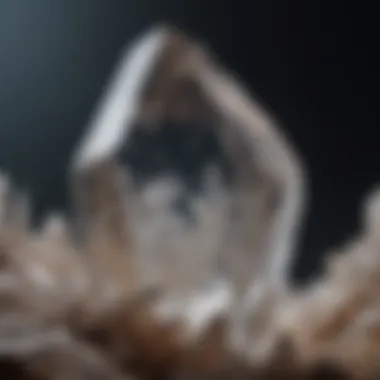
<point x="307" y="60"/>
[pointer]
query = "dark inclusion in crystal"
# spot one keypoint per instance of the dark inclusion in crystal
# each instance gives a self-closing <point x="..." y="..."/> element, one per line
<point x="181" y="150"/>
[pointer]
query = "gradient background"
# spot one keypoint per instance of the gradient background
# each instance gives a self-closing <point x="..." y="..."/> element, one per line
<point x="307" y="60"/>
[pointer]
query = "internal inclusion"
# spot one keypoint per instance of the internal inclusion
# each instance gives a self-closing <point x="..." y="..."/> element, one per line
<point x="184" y="151"/>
